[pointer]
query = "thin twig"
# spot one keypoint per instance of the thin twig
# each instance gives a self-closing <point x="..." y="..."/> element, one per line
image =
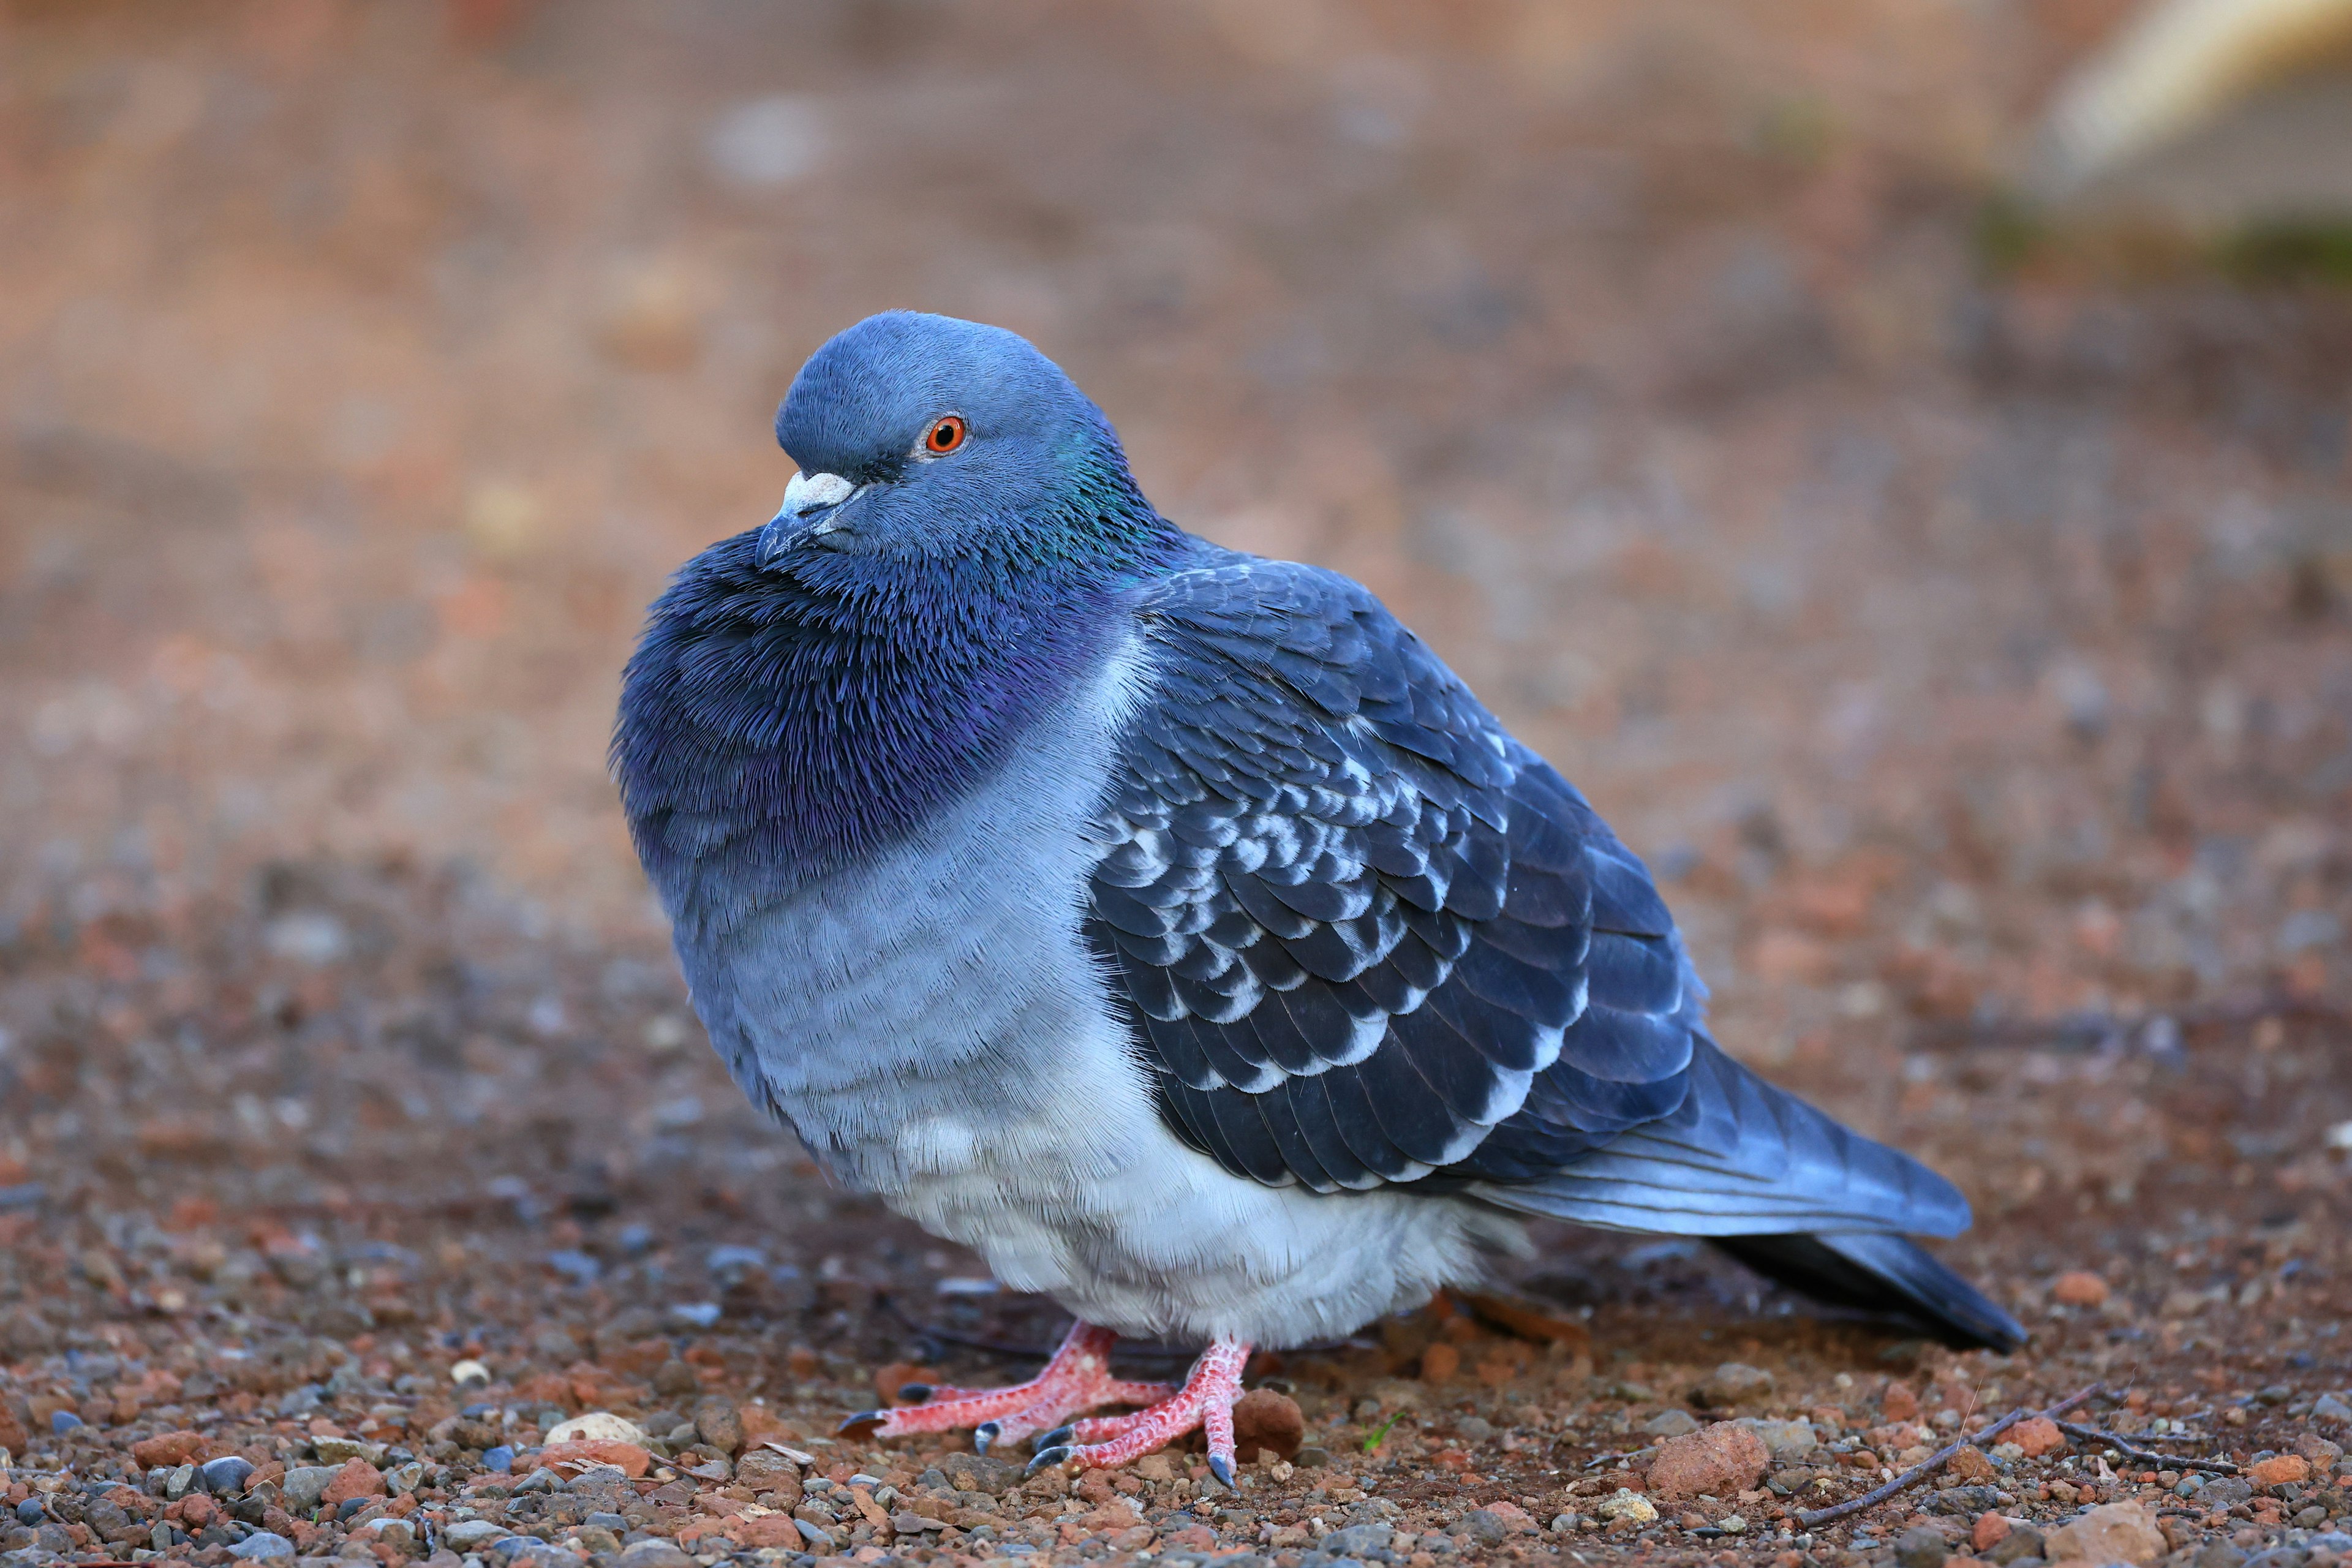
<point x="1936" y="1460"/>
<point x="1594" y="1464"/>
<point x="2131" y="1450"/>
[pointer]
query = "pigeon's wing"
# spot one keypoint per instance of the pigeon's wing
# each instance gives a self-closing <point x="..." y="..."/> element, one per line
<point x="1369" y="939"/>
<point x="1355" y="918"/>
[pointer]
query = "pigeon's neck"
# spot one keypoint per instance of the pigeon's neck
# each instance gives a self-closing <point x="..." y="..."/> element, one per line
<point x="775" y="728"/>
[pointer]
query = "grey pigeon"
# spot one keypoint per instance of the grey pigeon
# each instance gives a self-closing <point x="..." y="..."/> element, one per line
<point x="1169" y="925"/>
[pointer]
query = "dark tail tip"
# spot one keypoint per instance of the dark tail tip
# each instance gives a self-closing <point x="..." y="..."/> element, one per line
<point x="1885" y="1274"/>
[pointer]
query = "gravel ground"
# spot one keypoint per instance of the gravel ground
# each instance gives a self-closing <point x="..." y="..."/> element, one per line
<point x="1961" y="626"/>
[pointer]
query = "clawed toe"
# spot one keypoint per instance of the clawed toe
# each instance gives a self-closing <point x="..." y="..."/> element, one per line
<point x="1077" y="1379"/>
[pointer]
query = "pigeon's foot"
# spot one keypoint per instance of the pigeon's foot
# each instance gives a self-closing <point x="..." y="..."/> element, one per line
<point x="1077" y="1379"/>
<point x="1206" y="1400"/>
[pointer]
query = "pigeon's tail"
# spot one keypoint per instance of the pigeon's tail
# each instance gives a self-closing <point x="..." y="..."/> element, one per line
<point x="1882" y="1274"/>
<point x="1784" y="1188"/>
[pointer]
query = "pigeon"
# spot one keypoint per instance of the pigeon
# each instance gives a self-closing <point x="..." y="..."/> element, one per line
<point x="1169" y="925"/>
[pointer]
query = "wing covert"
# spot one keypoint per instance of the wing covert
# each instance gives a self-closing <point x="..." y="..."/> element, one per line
<point x="1360" y="925"/>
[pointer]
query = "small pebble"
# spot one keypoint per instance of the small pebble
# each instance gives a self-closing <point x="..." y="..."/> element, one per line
<point x="261" y="1546"/>
<point x="226" y="1476"/>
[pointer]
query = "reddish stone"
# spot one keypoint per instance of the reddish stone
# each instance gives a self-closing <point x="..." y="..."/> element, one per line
<point x="2285" y="1470"/>
<point x="1714" y="1461"/>
<point x="2079" y="1288"/>
<point x="1971" y="1466"/>
<point x="168" y="1449"/>
<point x="356" y="1478"/>
<point x="1438" y="1363"/>
<point x="761" y="1425"/>
<point x="2037" y="1435"/>
<point x="1899" y="1403"/>
<point x="573" y="1458"/>
<point x="1991" y="1530"/>
<point x="1264" y="1419"/>
<point x="768" y="1530"/>
<point x="196" y="1510"/>
<point x="1111" y="1518"/>
<point x="2114" y="1532"/>
<point x="1515" y="1518"/>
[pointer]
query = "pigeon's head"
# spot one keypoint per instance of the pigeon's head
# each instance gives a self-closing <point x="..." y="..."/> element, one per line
<point x="926" y="437"/>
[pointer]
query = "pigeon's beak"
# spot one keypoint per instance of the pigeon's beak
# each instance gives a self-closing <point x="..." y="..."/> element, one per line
<point x="811" y="504"/>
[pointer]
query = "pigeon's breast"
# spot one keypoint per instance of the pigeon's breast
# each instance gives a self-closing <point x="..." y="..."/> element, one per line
<point x="934" y="1028"/>
<point x="897" y="1012"/>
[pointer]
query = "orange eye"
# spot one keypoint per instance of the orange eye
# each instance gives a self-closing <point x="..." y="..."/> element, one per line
<point x="947" y="434"/>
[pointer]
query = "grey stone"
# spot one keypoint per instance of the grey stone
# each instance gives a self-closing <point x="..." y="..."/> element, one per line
<point x="1732" y="1382"/>
<point x="468" y="1533"/>
<point x="2227" y="1493"/>
<point x="305" y="1484"/>
<point x="226" y="1476"/>
<point x="979" y="1473"/>
<point x="1487" y="1526"/>
<point x="262" y="1545"/>
<point x="1922" y="1548"/>
<point x="1671" y="1423"/>
<point x="1358" y="1539"/>
<point x="655" y="1553"/>
<point x="2219" y="1555"/>
<point x="2280" y="1557"/>
<point x="1788" y="1440"/>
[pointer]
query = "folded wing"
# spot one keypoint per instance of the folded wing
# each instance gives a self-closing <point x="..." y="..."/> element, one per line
<point x="1369" y="939"/>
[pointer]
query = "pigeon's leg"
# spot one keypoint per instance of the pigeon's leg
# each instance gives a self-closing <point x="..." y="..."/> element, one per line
<point x="1206" y="1400"/>
<point x="1077" y="1379"/>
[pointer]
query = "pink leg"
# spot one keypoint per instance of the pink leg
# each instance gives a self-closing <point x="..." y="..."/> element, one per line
<point x="1206" y="1400"/>
<point x="1077" y="1379"/>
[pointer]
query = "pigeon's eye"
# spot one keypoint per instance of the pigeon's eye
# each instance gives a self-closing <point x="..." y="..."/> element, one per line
<point x="947" y="433"/>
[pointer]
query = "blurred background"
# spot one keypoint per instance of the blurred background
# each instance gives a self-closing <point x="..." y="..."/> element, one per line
<point x="1891" y="455"/>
